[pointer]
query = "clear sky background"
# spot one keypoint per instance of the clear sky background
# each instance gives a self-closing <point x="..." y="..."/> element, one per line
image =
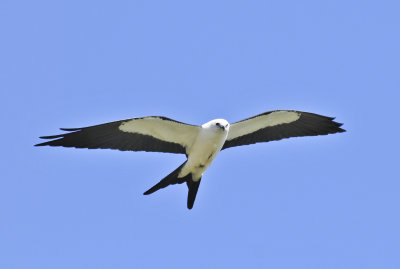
<point x="317" y="202"/>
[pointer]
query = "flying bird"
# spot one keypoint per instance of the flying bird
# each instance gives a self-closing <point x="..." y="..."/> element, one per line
<point x="200" y="144"/>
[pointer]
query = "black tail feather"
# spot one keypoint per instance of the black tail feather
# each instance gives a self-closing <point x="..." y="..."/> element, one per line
<point x="193" y="188"/>
<point x="172" y="178"/>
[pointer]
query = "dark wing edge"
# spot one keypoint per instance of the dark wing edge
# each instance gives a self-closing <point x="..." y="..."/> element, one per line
<point x="308" y="124"/>
<point x="109" y="136"/>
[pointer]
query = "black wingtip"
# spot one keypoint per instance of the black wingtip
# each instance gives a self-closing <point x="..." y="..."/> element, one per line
<point x="338" y="129"/>
<point x="42" y="144"/>
<point x="149" y="191"/>
<point x="70" y="129"/>
<point x="58" y="136"/>
<point x="61" y="135"/>
<point x="51" y="136"/>
<point x="49" y="142"/>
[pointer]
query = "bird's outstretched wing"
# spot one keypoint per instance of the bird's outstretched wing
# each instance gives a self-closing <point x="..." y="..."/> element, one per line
<point x="138" y="134"/>
<point x="279" y="124"/>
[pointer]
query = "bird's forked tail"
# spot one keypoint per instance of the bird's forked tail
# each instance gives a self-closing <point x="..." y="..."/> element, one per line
<point x="172" y="179"/>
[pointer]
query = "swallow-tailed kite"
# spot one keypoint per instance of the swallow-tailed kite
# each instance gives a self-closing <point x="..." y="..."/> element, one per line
<point x="200" y="143"/>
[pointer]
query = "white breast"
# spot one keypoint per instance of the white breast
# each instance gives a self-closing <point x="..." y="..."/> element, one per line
<point x="206" y="146"/>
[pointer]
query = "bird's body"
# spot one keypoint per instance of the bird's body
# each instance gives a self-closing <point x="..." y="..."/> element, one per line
<point x="205" y="148"/>
<point x="201" y="144"/>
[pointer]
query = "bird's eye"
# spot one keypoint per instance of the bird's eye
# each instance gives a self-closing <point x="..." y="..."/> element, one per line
<point x="218" y="124"/>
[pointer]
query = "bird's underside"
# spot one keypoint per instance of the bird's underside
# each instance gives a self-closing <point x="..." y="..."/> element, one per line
<point x="200" y="144"/>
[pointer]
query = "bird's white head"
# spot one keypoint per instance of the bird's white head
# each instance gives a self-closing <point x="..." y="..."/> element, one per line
<point x="217" y="124"/>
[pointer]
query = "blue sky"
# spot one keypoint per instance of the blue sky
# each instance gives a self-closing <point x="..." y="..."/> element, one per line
<point x="315" y="202"/>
